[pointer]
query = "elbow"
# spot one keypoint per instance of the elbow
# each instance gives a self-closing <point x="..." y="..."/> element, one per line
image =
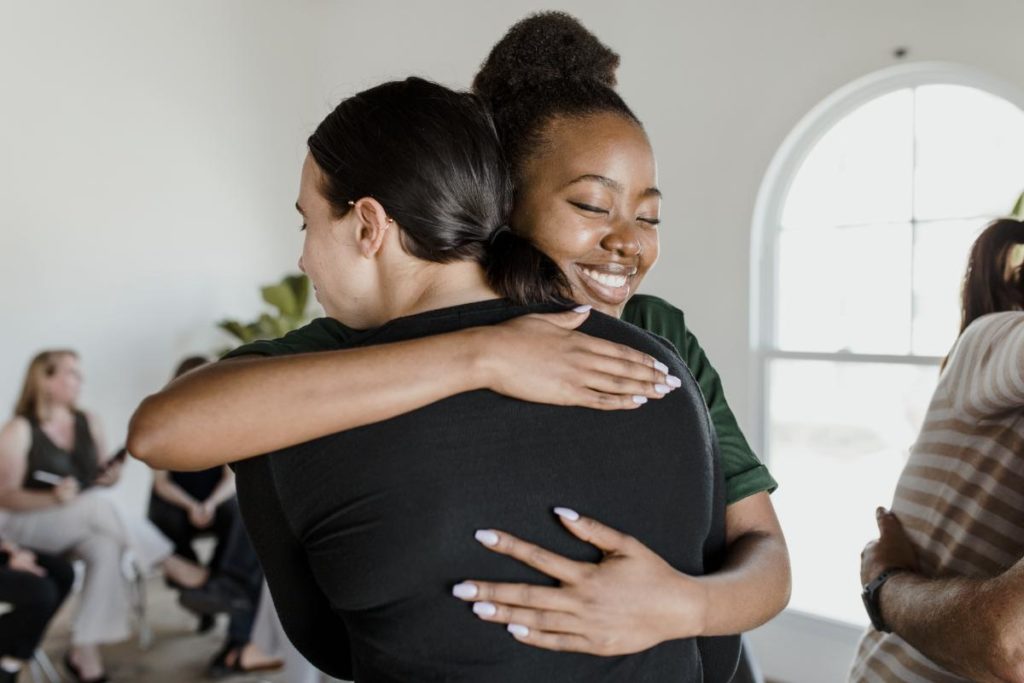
<point x="146" y="439"/>
<point x="1007" y="656"/>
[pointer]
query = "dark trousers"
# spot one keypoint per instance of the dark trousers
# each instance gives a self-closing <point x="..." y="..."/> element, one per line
<point x="34" y="599"/>
<point x="174" y="523"/>
<point x="240" y="565"/>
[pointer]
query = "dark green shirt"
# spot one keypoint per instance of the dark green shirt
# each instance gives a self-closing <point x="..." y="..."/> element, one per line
<point x="745" y="475"/>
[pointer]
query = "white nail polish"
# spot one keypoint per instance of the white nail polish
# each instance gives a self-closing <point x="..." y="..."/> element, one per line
<point x="487" y="537"/>
<point x="567" y="513"/>
<point x="640" y="400"/>
<point x="674" y="381"/>
<point x="518" y="630"/>
<point x="484" y="609"/>
<point x="661" y="367"/>
<point x="465" y="591"/>
<point x="582" y="309"/>
<point x="662" y="388"/>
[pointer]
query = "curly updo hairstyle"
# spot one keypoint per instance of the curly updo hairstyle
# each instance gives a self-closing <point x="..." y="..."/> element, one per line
<point x="547" y="66"/>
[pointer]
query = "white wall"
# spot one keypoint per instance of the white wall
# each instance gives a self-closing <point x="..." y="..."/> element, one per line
<point x="149" y="152"/>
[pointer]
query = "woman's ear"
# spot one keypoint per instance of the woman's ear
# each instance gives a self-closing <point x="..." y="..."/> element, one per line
<point x="372" y="226"/>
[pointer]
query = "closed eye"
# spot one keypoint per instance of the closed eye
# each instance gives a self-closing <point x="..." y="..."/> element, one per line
<point x="649" y="221"/>
<point x="590" y="209"/>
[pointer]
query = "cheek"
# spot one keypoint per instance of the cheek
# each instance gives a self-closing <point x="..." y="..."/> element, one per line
<point x="651" y="247"/>
<point x="565" y="240"/>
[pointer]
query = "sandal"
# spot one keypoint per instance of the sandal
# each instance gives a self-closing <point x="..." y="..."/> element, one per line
<point x="76" y="673"/>
<point x="219" y="667"/>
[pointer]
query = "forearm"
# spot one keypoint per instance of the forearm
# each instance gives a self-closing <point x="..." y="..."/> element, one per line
<point x="23" y="500"/>
<point x="228" y="411"/>
<point x="971" y="627"/>
<point x="225" y="490"/>
<point x="173" y="494"/>
<point x="751" y="587"/>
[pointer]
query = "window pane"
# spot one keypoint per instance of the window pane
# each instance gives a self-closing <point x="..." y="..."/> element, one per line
<point x="839" y="434"/>
<point x="860" y="171"/>
<point x="845" y="289"/>
<point x="940" y="258"/>
<point x="970" y="153"/>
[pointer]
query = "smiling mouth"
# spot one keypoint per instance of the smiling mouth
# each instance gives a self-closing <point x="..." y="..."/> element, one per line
<point x="610" y="282"/>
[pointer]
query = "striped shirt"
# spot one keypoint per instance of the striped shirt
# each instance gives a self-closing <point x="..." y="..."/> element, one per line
<point x="961" y="495"/>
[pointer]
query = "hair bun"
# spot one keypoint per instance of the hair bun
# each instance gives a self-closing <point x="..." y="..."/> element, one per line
<point x="543" y="48"/>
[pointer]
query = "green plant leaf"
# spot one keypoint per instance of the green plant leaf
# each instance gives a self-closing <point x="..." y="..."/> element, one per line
<point x="1018" y="208"/>
<point x="234" y="328"/>
<point x="299" y="284"/>
<point x="281" y="297"/>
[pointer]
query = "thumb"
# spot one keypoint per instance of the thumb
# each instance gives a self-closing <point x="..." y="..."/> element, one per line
<point x="568" y="320"/>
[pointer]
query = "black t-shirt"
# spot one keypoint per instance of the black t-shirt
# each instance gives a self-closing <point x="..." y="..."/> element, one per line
<point x="363" y="533"/>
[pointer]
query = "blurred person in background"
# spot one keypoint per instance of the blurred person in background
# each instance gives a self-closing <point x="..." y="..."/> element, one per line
<point x="944" y="583"/>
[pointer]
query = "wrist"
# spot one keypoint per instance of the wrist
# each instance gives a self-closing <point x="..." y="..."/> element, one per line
<point x="690" y="608"/>
<point x="479" y="359"/>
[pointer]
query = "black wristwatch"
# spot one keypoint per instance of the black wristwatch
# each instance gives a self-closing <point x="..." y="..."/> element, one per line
<point x="870" y="597"/>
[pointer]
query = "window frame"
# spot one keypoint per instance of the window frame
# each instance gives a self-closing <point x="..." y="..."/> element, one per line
<point x="767" y="222"/>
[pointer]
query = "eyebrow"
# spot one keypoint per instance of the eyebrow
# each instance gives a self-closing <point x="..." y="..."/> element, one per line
<point x="612" y="184"/>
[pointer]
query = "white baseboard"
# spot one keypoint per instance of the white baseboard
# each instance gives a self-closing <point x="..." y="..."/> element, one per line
<point x="797" y="647"/>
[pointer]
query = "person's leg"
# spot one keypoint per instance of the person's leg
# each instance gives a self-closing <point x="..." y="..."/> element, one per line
<point x="226" y="518"/>
<point x="173" y="522"/>
<point x="33" y="600"/>
<point x="235" y="585"/>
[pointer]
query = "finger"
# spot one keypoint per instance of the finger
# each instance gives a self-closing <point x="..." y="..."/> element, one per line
<point x="618" y="385"/>
<point x="595" y="533"/>
<point x="559" y="642"/>
<point x="531" y="555"/>
<point x="516" y="594"/>
<point x="588" y="398"/>
<point x="567" y="320"/>
<point x="541" y="620"/>
<point x="603" y="347"/>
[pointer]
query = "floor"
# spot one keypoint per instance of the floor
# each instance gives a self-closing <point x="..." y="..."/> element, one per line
<point x="177" y="653"/>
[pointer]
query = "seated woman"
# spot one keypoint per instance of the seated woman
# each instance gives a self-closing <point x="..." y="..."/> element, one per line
<point x="184" y="505"/>
<point x="32" y="588"/>
<point x="52" y="464"/>
<point x="405" y="197"/>
<point x="959" y="498"/>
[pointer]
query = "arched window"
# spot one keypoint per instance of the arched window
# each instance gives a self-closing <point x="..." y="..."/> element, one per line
<point x="863" y="224"/>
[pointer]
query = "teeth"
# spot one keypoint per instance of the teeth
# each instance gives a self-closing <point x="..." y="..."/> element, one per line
<point x="606" y="279"/>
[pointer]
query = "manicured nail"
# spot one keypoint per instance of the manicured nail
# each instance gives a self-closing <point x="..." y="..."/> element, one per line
<point x="518" y="630"/>
<point x="582" y="309"/>
<point x="465" y="591"/>
<point x="640" y="400"/>
<point x="567" y="513"/>
<point x="484" y="609"/>
<point x="488" y="538"/>
<point x="662" y="388"/>
<point x="674" y="381"/>
<point x="661" y="367"/>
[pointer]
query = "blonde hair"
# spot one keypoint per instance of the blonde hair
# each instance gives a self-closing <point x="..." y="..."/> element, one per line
<point x="42" y="366"/>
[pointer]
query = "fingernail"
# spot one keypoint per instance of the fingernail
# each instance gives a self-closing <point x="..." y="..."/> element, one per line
<point x="662" y="388"/>
<point x="484" y="609"/>
<point x="674" y="381"/>
<point x="465" y="591"/>
<point x="661" y="367"/>
<point x="488" y="538"/>
<point x="640" y="400"/>
<point x="582" y="309"/>
<point x="518" y="630"/>
<point x="567" y="513"/>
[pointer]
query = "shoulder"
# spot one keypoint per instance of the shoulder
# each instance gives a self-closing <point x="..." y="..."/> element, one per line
<point x="322" y="334"/>
<point x="16" y="433"/>
<point x="644" y="306"/>
<point x="992" y="330"/>
<point x="626" y="332"/>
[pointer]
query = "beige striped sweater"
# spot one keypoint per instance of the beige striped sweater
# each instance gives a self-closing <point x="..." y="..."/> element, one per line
<point x="961" y="495"/>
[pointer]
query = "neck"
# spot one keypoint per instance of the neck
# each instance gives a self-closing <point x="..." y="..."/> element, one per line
<point x="48" y="410"/>
<point x="431" y="286"/>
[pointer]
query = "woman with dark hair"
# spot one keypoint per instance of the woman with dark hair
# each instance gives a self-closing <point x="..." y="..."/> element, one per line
<point x="585" y="193"/>
<point x="405" y="195"/>
<point x="959" y="497"/>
